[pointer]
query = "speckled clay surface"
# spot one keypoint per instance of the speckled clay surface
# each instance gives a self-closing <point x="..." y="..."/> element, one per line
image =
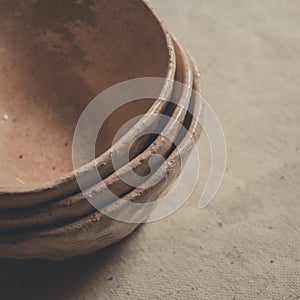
<point x="97" y="230"/>
<point x="51" y="66"/>
<point x="77" y="206"/>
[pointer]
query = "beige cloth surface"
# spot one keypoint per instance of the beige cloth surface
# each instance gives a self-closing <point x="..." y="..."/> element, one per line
<point x="246" y="243"/>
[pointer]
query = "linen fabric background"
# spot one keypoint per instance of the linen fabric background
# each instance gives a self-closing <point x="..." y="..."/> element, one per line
<point x="246" y="243"/>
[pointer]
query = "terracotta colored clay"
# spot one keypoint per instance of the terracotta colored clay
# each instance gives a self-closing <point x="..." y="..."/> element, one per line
<point x="52" y="64"/>
<point x="97" y="230"/>
<point x="77" y="206"/>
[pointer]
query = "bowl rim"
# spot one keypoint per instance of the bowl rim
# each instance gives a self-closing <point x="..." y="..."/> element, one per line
<point x="91" y="221"/>
<point x="39" y="215"/>
<point x="16" y="196"/>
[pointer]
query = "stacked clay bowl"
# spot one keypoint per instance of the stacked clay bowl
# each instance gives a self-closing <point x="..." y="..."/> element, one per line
<point x="53" y="64"/>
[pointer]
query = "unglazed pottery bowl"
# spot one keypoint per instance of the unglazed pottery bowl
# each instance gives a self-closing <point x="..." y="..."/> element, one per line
<point x="77" y="206"/>
<point x="97" y="230"/>
<point x="52" y="65"/>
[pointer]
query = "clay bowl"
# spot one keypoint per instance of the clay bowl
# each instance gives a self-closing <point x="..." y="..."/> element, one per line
<point x="76" y="205"/>
<point x="96" y="230"/>
<point x="69" y="56"/>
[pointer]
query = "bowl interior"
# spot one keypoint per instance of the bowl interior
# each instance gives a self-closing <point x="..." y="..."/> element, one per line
<point x="56" y="56"/>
